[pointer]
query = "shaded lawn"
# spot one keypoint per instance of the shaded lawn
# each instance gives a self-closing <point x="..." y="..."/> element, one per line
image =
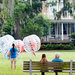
<point x="66" y="55"/>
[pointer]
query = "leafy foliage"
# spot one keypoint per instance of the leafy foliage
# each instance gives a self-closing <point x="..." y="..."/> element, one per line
<point x="23" y="9"/>
<point x="30" y="22"/>
<point x="51" y="3"/>
<point x="0" y="1"/>
<point x="37" y="7"/>
<point x="1" y="23"/>
<point x="26" y="19"/>
<point x="31" y="28"/>
<point x="68" y="7"/>
<point x="39" y="26"/>
<point x="73" y="37"/>
<point x="56" y="47"/>
<point x="3" y="16"/>
<point x="19" y="9"/>
<point x="8" y="28"/>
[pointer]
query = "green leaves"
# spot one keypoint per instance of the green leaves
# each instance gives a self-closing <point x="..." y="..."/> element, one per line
<point x="51" y="4"/>
<point x="26" y="20"/>
<point x="38" y="25"/>
<point x="37" y="6"/>
<point x="73" y="35"/>
<point x="31" y="28"/>
<point x="19" y="9"/>
<point x="73" y="38"/>
<point x="8" y="26"/>
<point x="0" y="1"/>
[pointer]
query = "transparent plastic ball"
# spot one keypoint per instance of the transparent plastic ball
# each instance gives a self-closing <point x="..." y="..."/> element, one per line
<point x="5" y="44"/>
<point x="32" y="43"/>
<point x="19" y="45"/>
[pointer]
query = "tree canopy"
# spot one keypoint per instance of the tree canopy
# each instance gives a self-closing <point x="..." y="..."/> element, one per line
<point x="25" y="20"/>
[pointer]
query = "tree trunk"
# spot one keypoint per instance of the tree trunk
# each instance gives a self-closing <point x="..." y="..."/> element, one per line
<point x="11" y="7"/>
<point x="17" y="31"/>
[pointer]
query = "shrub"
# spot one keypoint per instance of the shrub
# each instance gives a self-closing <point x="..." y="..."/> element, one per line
<point x="67" y="47"/>
<point x="73" y="38"/>
<point x="43" y="47"/>
<point x="57" y="47"/>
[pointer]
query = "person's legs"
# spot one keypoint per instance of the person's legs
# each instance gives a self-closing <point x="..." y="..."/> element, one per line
<point x="15" y="65"/>
<point x="56" y="73"/>
<point x="11" y="65"/>
<point x="42" y="73"/>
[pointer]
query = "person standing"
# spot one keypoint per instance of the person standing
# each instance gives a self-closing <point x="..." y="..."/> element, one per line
<point x="13" y="56"/>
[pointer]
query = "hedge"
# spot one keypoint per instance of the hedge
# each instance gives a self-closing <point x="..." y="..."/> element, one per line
<point x="57" y="47"/>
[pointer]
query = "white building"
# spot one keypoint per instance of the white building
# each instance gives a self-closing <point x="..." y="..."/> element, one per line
<point x="65" y="24"/>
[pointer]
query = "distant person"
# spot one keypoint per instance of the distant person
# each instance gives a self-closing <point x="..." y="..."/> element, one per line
<point x="43" y="61"/>
<point x="13" y="55"/>
<point x="57" y="59"/>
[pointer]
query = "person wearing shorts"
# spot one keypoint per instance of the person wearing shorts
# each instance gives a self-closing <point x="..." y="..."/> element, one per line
<point x="13" y="56"/>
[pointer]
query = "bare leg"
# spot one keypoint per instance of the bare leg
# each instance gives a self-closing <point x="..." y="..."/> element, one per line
<point x="34" y="53"/>
<point x="11" y="65"/>
<point x="56" y="73"/>
<point x="15" y="65"/>
<point x="42" y="73"/>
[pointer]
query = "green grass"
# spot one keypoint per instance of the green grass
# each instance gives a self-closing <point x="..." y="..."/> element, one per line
<point x="5" y="68"/>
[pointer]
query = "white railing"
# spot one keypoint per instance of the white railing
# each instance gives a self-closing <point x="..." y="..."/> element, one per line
<point x="55" y="37"/>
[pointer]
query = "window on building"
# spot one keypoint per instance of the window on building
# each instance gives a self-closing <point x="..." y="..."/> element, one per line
<point x="65" y="28"/>
<point x="53" y="30"/>
<point x="60" y="28"/>
<point x="72" y="27"/>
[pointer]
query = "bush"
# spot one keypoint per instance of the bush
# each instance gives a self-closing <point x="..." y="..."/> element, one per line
<point x="67" y="47"/>
<point x="49" y="46"/>
<point x="73" y="35"/>
<point x="73" y="38"/>
<point x="57" y="47"/>
<point x="43" y="47"/>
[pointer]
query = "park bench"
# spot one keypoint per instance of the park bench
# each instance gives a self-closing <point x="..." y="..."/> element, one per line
<point x="36" y="66"/>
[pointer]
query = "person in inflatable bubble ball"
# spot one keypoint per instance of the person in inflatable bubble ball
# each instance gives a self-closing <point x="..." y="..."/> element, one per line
<point x="13" y="56"/>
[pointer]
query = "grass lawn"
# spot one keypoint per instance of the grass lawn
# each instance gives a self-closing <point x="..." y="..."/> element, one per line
<point x="5" y="68"/>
